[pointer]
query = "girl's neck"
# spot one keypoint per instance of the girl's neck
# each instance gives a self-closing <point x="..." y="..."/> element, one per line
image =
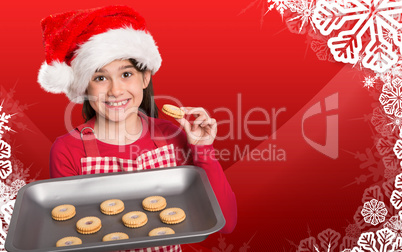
<point x="120" y="132"/>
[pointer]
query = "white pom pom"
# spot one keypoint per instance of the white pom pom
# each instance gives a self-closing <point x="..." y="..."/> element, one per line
<point x="56" y="77"/>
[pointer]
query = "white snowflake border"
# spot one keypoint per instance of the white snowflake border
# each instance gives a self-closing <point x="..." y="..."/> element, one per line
<point x="380" y="18"/>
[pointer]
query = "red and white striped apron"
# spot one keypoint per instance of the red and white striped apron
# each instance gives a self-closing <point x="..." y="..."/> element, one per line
<point x="162" y="156"/>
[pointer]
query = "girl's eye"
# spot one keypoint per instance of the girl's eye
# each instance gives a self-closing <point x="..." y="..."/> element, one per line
<point x="99" y="78"/>
<point x="126" y="74"/>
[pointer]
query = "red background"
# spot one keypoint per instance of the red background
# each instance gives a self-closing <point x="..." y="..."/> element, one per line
<point x="211" y="53"/>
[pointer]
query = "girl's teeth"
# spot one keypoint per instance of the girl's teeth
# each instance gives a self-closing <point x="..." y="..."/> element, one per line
<point x="117" y="103"/>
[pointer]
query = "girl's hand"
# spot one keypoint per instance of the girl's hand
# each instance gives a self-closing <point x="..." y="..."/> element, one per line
<point x="203" y="130"/>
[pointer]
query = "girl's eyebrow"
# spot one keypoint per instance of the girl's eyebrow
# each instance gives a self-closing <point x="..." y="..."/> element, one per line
<point x="100" y="71"/>
<point x="125" y="67"/>
<point x="120" y="68"/>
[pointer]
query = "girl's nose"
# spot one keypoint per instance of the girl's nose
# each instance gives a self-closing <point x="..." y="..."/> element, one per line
<point x="116" y="88"/>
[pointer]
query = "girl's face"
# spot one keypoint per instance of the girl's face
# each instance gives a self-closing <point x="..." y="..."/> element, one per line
<point x="115" y="91"/>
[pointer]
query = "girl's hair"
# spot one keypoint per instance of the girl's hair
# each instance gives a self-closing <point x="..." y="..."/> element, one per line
<point x="148" y="105"/>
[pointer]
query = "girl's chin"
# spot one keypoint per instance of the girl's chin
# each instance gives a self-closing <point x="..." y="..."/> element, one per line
<point x="118" y="116"/>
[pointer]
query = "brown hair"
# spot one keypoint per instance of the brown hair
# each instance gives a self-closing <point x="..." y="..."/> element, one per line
<point x="148" y="105"/>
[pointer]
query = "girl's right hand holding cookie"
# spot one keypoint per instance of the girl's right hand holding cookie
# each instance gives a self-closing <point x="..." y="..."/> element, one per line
<point x="203" y="130"/>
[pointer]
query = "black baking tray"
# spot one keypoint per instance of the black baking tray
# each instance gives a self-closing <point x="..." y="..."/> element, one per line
<point x="32" y="228"/>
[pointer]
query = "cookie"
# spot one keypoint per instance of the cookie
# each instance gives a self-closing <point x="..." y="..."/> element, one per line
<point x="172" y="215"/>
<point x="63" y="212"/>
<point x="68" y="241"/>
<point x="154" y="203"/>
<point x="115" y="236"/>
<point x="112" y="207"/>
<point x="161" y="231"/>
<point x="88" y="225"/>
<point x="172" y="111"/>
<point x="134" y="219"/>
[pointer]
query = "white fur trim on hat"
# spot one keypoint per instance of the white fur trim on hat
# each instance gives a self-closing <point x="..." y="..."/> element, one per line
<point x="101" y="49"/>
<point x="56" y="77"/>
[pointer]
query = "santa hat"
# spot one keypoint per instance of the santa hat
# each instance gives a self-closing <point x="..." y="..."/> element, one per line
<point x="78" y="43"/>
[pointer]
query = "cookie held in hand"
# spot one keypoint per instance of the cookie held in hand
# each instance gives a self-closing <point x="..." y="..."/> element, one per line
<point x="172" y="111"/>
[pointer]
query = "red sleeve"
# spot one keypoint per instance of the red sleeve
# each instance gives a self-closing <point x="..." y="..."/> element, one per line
<point x="61" y="160"/>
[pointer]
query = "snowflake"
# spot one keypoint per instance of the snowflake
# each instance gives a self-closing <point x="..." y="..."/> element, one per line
<point x="371" y="161"/>
<point x="5" y="150"/>
<point x="396" y="81"/>
<point x="385" y="242"/>
<point x="395" y="225"/>
<point x="353" y="230"/>
<point x="369" y="18"/>
<point x="4" y="120"/>
<point x="393" y="76"/>
<point x="398" y="149"/>
<point x="369" y="82"/>
<point x="391" y="173"/>
<point x="396" y="122"/>
<point x="396" y="197"/>
<point x="385" y="124"/>
<point x="382" y="122"/>
<point x="348" y="242"/>
<point x="385" y="148"/>
<point x="18" y="184"/>
<point x="4" y="191"/>
<point x="5" y="169"/>
<point x="305" y="10"/>
<point x="224" y="247"/>
<point x="281" y="6"/>
<point x="329" y="239"/>
<point x="390" y="161"/>
<point x="396" y="70"/>
<point x="388" y="36"/>
<point x="319" y="46"/>
<point x="374" y="212"/>
<point x="7" y="210"/>
<point x="359" y="60"/>
<point x="393" y="73"/>
<point x="391" y="99"/>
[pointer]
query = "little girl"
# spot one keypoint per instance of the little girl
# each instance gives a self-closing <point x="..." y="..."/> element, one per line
<point x="105" y="58"/>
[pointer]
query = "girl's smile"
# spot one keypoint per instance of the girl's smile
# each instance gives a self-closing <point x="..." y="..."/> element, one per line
<point x="121" y="104"/>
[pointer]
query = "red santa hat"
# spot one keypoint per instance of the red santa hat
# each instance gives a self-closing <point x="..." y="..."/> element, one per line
<point x="78" y="43"/>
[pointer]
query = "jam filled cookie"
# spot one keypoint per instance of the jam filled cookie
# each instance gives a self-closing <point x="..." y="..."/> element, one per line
<point x="89" y="225"/>
<point x="172" y="215"/>
<point x="172" y="111"/>
<point x="63" y="212"/>
<point x="115" y="236"/>
<point x="161" y="231"/>
<point x="68" y="241"/>
<point x="154" y="203"/>
<point x="134" y="219"/>
<point x="112" y="207"/>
